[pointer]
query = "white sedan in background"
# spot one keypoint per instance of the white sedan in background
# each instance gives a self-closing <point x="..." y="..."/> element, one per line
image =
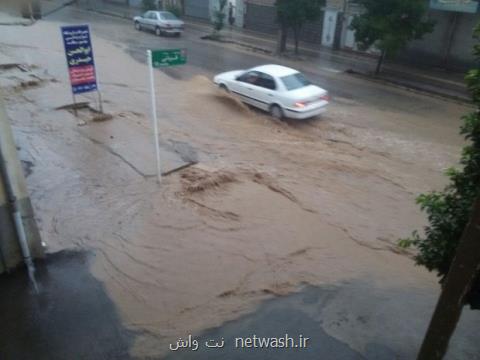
<point x="161" y="22"/>
<point x="281" y="91"/>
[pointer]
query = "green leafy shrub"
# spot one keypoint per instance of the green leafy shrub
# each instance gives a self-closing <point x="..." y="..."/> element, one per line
<point x="449" y="211"/>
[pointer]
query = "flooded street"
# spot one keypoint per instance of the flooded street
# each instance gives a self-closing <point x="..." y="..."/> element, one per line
<point x="271" y="207"/>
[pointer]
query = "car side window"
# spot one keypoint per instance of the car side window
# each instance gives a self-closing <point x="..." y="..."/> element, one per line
<point x="250" y="77"/>
<point x="153" y="16"/>
<point x="266" y="81"/>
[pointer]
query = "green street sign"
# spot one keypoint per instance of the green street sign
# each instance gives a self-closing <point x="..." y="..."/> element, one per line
<point x="172" y="57"/>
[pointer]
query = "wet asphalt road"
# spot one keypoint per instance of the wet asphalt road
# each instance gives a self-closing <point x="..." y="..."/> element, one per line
<point x="208" y="58"/>
<point x="287" y="317"/>
<point x="72" y="317"/>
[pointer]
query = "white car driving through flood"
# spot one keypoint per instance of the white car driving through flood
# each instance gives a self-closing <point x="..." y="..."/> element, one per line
<point x="282" y="91"/>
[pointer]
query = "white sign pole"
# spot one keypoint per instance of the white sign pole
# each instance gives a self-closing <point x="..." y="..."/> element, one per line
<point x="154" y="115"/>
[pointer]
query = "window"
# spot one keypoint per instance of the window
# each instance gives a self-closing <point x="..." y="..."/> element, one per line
<point x="250" y="78"/>
<point x="153" y="16"/>
<point x="295" y="81"/>
<point x="258" y="79"/>
<point x="266" y="81"/>
<point x="168" y="16"/>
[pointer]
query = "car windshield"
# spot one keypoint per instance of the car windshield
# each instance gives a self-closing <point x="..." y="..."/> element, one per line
<point x="168" y="16"/>
<point x="295" y="81"/>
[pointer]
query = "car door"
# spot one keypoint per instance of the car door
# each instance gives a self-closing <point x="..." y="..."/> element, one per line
<point x="245" y="87"/>
<point x="145" y="20"/>
<point x="153" y="20"/>
<point x="265" y="90"/>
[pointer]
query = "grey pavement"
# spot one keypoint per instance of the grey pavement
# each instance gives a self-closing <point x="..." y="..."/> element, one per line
<point x="13" y="20"/>
<point x="51" y="6"/>
<point x="10" y="15"/>
<point x="71" y="317"/>
<point x="354" y="320"/>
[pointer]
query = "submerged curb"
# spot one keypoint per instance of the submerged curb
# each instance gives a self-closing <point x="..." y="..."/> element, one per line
<point x="410" y="87"/>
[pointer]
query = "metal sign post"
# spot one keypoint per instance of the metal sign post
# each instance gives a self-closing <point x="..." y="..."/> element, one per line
<point x="154" y="115"/>
<point x="161" y="58"/>
<point x="80" y="61"/>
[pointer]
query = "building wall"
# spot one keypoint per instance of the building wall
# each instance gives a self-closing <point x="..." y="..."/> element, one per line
<point x="261" y="16"/>
<point x="10" y="252"/>
<point x="198" y="8"/>
<point x="335" y="5"/>
<point x="431" y="49"/>
<point x="139" y="4"/>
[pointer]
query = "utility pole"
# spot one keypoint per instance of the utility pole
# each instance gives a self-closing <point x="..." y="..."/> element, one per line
<point x="463" y="272"/>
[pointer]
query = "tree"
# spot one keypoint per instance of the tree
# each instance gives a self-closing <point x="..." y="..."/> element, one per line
<point x="149" y="5"/>
<point x="389" y="25"/>
<point x="219" y="16"/>
<point x="449" y="211"/>
<point x="294" y="14"/>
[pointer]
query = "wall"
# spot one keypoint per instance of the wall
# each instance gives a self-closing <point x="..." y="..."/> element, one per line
<point x="198" y="8"/>
<point x="9" y="248"/>
<point x="431" y="49"/>
<point x="262" y="17"/>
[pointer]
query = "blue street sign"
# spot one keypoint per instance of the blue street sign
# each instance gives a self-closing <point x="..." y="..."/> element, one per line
<point x="79" y="53"/>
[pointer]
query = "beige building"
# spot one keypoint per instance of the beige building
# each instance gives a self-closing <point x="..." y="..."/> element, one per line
<point x="449" y="45"/>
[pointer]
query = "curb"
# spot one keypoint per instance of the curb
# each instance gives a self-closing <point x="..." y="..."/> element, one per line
<point x="18" y="23"/>
<point x="65" y="4"/>
<point x="409" y="87"/>
<point x="242" y="44"/>
<point x="101" y="12"/>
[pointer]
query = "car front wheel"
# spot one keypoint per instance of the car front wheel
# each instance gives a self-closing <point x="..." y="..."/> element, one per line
<point x="158" y="31"/>
<point x="224" y="87"/>
<point x="138" y="26"/>
<point x="277" y="112"/>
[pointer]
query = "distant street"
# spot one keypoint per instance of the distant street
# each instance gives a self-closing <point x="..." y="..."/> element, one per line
<point x="207" y="58"/>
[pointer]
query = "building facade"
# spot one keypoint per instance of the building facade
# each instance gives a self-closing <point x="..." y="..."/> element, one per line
<point x="260" y="15"/>
<point x="448" y="46"/>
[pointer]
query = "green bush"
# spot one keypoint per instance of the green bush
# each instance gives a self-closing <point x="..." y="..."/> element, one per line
<point x="449" y="211"/>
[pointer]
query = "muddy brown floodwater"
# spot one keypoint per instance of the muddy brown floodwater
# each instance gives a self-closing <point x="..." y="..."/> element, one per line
<point x="271" y="205"/>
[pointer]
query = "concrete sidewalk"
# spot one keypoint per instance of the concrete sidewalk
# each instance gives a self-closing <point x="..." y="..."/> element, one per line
<point x="51" y="6"/>
<point x="437" y="82"/>
<point x="9" y="18"/>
